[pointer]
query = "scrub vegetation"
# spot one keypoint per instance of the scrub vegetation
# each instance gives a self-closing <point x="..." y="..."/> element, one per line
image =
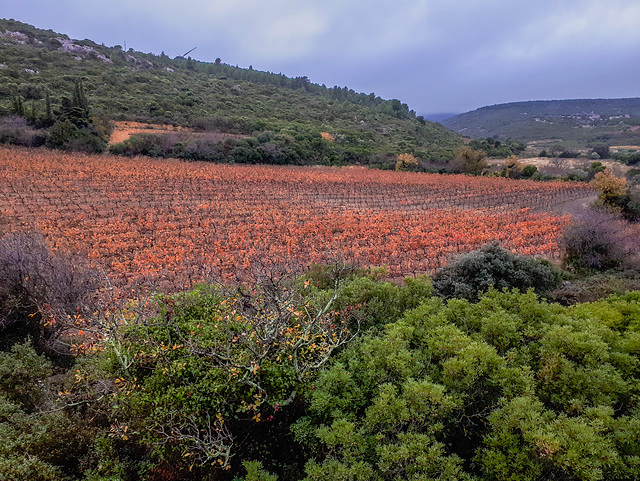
<point x="186" y="321"/>
<point x="330" y="374"/>
<point x="68" y="91"/>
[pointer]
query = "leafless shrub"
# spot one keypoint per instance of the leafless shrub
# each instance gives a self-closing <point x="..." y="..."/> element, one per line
<point x="13" y="122"/>
<point x="600" y="241"/>
<point x="15" y="131"/>
<point x="560" y="163"/>
<point x="41" y="293"/>
<point x="553" y="170"/>
<point x="213" y="137"/>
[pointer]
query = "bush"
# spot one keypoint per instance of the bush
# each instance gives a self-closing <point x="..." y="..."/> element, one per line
<point x="235" y="371"/>
<point x="65" y="135"/>
<point x="406" y="162"/>
<point x="612" y="190"/>
<point x="16" y="131"/>
<point x="528" y="171"/>
<point x="469" y="161"/>
<point x="36" y="442"/>
<point x="601" y="150"/>
<point x="509" y="388"/>
<point x="628" y="157"/>
<point x="599" y="241"/>
<point x="38" y="290"/>
<point x="493" y="266"/>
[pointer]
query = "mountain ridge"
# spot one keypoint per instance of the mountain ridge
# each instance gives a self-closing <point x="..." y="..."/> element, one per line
<point x="574" y="121"/>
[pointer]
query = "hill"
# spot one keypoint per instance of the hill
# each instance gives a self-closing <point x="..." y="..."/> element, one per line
<point x="40" y="70"/>
<point x="572" y="123"/>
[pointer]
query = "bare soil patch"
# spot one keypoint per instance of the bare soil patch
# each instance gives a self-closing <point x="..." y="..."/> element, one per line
<point x="124" y="130"/>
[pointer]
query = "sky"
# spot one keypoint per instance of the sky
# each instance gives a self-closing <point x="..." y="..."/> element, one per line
<point x="437" y="56"/>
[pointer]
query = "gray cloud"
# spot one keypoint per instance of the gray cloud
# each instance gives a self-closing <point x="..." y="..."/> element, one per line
<point x="436" y="55"/>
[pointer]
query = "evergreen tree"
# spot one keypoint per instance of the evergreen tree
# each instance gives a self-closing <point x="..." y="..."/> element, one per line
<point x="79" y="102"/>
<point x="49" y="114"/>
<point x="18" y="107"/>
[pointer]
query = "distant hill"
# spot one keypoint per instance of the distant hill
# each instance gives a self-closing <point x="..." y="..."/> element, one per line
<point x="574" y="123"/>
<point x="439" y="117"/>
<point x="39" y="70"/>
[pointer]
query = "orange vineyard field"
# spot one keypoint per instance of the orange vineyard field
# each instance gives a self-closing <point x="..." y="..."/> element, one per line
<point x="168" y="223"/>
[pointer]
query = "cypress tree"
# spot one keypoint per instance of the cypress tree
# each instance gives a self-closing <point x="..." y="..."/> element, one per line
<point x="49" y="114"/>
<point x="79" y="101"/>
<point x="18" y="107"/>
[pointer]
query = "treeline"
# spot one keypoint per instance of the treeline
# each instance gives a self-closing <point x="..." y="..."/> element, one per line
<point x="68" y="125"/>
<point x="268" y="147"/>
<point x="628" y="157"/>
<point x="495" y="148"/>
<point x="218" y="69"/>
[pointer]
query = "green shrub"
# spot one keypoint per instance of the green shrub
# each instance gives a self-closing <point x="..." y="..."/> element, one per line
<point x="373" y="302"/>
<point x="38" y="440"/>
<point x="217" y="372"/>
<point x="493" y="266"/>
<point x="508" y="388"/>
<point x="528" y="171"/>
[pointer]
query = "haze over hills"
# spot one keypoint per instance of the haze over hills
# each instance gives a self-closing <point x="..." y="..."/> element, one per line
<point x="40" y="68"/>
<point x="439" y="117"/>
<point x="572" y="122"/>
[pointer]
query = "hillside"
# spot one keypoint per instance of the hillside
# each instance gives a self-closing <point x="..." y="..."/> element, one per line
<point x="40" y="68"/>
<point x="573" y="123"/>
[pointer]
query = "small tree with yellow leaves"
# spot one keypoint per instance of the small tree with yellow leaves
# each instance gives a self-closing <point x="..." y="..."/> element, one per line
<point x="406" y="162"/>
<point x="612" y="190"/>
<point x="327" y="136"/>
<point x="469" y="161"/>
<point x="512" y="167"/>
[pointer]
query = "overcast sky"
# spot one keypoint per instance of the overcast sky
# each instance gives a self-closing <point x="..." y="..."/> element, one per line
<point x="435" y="55"/>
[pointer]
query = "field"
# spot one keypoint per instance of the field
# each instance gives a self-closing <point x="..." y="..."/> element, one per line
<point x="167" y="224"/>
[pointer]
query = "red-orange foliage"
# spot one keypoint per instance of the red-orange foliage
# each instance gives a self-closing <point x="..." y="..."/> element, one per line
<point x="167" y="221"/>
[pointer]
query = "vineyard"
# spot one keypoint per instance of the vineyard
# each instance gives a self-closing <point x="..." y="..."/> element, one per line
<point x="167" y="224"/>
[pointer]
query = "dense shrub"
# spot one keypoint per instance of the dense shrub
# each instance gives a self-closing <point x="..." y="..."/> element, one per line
<point x="38" y="290"/>
<point x="528" y="171"/>
<point x="495" y="148"/>
<point x="40" y="438"/>
<point x="225" y="382"/>
<point x="264" y="149"/>
<point x="372" y="301"/>
<point x="65" y="135"/>
<point x="508" y="388"/>
<point x="493" y="266"/>
<point x="16" y="131"/>
<point x="628" y="157"/>
<point x="600" y="241"/>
